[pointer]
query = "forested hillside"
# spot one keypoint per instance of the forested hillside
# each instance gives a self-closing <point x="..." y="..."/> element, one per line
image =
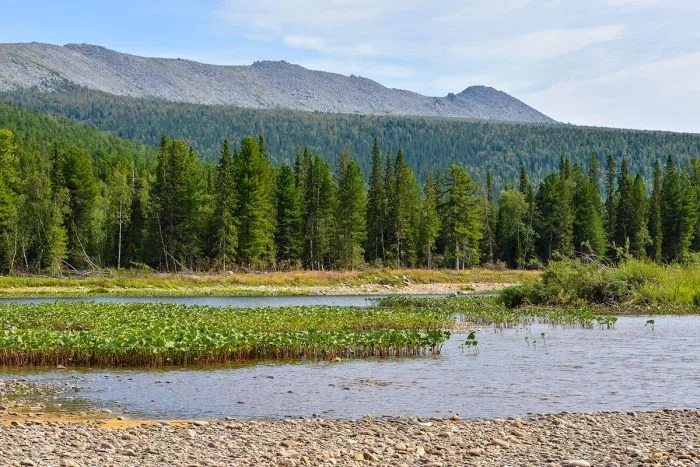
<point x="75" y="199"/>
<point x="429" y="144"/>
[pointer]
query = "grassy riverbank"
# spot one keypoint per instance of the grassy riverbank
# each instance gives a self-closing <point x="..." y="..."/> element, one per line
<point x="372" y="281"/>
<point x="159" y="334"/>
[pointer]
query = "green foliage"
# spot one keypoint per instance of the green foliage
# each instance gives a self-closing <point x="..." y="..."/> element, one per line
<point x="159" y="334"/>
<point x="573" y="282"/>
<point x="288" y="233"/>
<point x="351" y="232"/>
<point x="429" y="144"/>
<point x="462" y="219"/>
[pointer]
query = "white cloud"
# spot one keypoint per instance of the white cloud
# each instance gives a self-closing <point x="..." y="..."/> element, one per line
<point x="584" y="61"/>
<point x="540" y="45"/>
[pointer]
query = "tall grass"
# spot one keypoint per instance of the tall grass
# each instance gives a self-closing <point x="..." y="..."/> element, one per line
<point x="632" y="282"/>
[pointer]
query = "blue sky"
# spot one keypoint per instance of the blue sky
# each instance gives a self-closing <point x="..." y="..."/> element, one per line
<point x="622" y="63"/>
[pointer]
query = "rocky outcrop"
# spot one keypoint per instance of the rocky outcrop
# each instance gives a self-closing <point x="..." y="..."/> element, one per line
<point x="264" y="84"/>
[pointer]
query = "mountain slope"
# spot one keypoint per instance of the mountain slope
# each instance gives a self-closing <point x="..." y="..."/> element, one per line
<point x="263" y="85"/>
<point x="429" y="144"/>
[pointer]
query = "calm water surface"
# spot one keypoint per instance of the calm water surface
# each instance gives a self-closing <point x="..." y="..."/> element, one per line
<point x="631" y="367"/>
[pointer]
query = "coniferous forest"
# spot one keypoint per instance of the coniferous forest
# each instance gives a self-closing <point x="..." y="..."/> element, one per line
<point x="75" y="199"/>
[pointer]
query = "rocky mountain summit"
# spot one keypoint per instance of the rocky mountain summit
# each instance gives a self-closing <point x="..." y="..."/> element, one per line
<point x="263" y="85"/>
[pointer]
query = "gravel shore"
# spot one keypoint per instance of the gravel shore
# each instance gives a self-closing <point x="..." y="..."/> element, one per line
<point x="613" y="439"/>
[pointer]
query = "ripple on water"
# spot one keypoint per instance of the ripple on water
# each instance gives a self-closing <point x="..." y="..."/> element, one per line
<point x="627" y="368"/>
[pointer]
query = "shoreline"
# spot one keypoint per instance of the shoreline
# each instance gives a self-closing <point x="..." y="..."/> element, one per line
<point x="660" y="437"/>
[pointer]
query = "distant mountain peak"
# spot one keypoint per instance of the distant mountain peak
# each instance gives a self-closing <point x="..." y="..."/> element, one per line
<point x="264" y="84"/>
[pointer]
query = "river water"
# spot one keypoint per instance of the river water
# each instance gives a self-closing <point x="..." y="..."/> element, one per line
<point x="516" y="372"/>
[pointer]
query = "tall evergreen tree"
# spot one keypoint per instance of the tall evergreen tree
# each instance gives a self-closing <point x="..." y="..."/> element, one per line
<point x="9" y="187"/>
<point x="289" y="232"/>
<point x="671" y="213"/>
<point x="225" y="220"/>
<point x="319" y="215"/>
<point x="563" y="210"/>
<point x="462" y="219"/>
<point x="404" y="213"/>
<point x="655" y="221"/>
<point x="176" y="204"/>
<point x="623" y="210"/>
<point x="351" y="231"/>
<point x="120" y="193"/>
<point x="489" y="244"/>
<point x="255" y="200"/>
<point x="610" y="204"/>
<point x="639" y="233"/>
<point x="588" y="233"/>
<point x="376" y="209"/>
<point x="429" y="222"/>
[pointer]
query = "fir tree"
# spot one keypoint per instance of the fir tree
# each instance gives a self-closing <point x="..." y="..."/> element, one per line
<point x="288" y="234"/>
<point x="351" y="233"/>
<point x="429" y="222"/>
<point x="376" y="209"/>
<point x="462" y="219"/>
<point x="655" y="221"/>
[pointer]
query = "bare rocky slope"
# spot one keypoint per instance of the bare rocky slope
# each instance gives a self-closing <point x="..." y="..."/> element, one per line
<point x="263" y="85"/>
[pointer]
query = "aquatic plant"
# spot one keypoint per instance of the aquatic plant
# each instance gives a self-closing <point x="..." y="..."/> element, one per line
<point x="157" y="334"/>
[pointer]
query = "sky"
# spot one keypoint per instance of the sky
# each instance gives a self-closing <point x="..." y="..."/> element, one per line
<point x="613" y="63"/>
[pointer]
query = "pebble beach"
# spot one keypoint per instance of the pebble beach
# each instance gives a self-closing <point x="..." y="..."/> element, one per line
<point x="665" y="438"/>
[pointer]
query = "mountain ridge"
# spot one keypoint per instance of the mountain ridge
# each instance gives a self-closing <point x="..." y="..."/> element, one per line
<point x="264" y="84"/>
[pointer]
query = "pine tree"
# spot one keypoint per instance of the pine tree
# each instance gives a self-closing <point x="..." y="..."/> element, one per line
<point x="523" y="179"/>
<point x="390" y="220"/>
<point x="351" y="232"/>
<point x="376" y="209"/>
<point x="655" y="222"/>
<point x="462" y="219"/>
<point x="546" y="222"/>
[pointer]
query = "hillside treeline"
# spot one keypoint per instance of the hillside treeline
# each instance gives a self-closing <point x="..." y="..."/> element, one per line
<point x="62" y="209"/>
<point x="429" y="144"/>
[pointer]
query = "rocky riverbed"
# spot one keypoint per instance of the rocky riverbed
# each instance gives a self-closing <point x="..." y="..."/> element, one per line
<point x="613" y="439"/>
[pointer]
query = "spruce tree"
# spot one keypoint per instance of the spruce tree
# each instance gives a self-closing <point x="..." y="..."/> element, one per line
<point x="9" y="186"/>
<point x="489" y="243"/>
<point x="512" y="209"/>
<point x="224" y="218"/>
<point x="623" y="210"/>
<point x="404" y="213"/>
<point x="610" y="178"/>
<point x="655" y="222"/>
<point x="671" y="213"/>
<point x="639" y="233"/>
<point x="563" y="211"/>
<point x="319" y="215"/>
<point x="255" y="205"/>
<point x="289" y="232"/>
<point x="351" y="231"/>
<point x="588" y="233"/>
<point x="376" y="209"/>
<point x="462" y="219"/>
<point x="429" y="222"/>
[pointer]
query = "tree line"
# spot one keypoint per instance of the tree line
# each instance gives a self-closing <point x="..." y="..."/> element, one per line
<point x="62" y="211"/>
<point x="429" y="143"/>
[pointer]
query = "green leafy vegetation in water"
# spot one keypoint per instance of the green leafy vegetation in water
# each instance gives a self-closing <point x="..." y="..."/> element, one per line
<point x="158" y="334"/>
<point x="650" y="287"/>
<point x="492" y="312"/>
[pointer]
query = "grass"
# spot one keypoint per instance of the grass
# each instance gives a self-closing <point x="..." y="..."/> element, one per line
<point x="158" y="334"/>
<point x="139" y="283"/>
<point x="632" y="283"/>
